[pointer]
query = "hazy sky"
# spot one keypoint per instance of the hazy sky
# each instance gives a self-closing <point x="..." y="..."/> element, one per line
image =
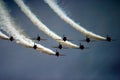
<point x="100" y="62"/>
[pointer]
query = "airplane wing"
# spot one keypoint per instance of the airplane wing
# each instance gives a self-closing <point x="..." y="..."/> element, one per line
<point x="43" y="39"/>
<point x="86" y="41"/>
<point x="55" y="47"/>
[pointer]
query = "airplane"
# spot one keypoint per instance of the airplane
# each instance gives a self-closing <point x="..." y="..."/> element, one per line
<point x="58" y="54"/>
<point x="82" y="47"/>
<point x="65" y="38"/>
<point x="11" y="38"/>
<point x="109" y="39"/>
<point x="35" y="46"/>
<point x="39" y="38"/>
<point x="60" y="46"/>
<point x="88" y="40"/>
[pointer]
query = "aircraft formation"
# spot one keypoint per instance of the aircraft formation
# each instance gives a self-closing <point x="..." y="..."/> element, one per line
<point x="60" y="46"/>
<point x="23" y="40"/>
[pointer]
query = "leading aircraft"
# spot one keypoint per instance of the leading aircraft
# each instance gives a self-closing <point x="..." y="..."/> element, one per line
<point x="108" y="38"/>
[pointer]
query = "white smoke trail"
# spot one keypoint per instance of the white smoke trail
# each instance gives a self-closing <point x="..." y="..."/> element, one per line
<point x="9" y="25"/>
<point x="3" y="36"/>
<point x="56" y="8"/>
<point x="41" y="26"/>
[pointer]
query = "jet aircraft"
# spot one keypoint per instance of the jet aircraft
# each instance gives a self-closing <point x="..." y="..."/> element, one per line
<point x="60" y="46"/>
<point x="38" y="38"/>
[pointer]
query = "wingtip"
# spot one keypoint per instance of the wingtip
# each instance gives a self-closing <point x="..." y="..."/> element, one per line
<point x="62" y="55"/>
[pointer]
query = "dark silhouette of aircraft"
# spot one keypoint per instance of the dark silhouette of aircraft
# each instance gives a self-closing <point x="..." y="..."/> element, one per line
<point x="58" y="54"/>
<point x="81" y="46"/>
<point x="88" y="40"/>
<point x="60" y="46"/>
<point x="108" y="38"/>
<point x="35" y="46"/>
<point x="65" y="38"/>
<point x="11" y="38"/>
<point x="39" y="38"/>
